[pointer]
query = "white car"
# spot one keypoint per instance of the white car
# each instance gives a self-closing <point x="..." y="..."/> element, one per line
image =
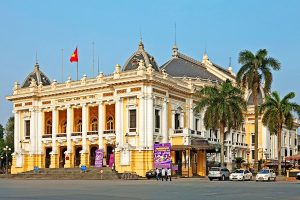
<point x="266" y="175"/>
<point x="240" y="175"/>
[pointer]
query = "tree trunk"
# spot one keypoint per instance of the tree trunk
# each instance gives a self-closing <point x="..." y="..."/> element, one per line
<point x="254" y="91"/>
<point x="222" y="143"/>
<point x="279" y="149"/>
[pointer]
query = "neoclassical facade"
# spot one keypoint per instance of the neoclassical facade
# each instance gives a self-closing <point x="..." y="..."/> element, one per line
<point x="60" y="125"/>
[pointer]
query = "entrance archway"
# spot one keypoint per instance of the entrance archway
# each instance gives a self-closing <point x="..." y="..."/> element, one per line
<point x="93" y="155"/>
<point x="62" y="157"/>
<point x="77" y="156"/>
<point x="48" y="157"/>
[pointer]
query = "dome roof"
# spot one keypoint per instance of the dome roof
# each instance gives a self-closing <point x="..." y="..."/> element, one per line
<point x="140" y="54"/>
<point x="38" y="76"/>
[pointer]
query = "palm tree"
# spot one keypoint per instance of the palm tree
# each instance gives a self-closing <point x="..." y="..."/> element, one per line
<point x="255" y="70"/>
<point x="276" y="113"/>
<point x="224" y="107"/>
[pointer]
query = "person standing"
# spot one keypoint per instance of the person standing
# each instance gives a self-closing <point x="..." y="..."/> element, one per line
<point x="163" y="174"/>
<point x="169" y="174"/>
<point x="157" y="172"/>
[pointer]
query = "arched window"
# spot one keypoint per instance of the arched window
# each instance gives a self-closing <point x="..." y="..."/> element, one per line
<point x="63" y="127"/>
<point x="94" y="124"/>
<point x="110" y="123"/>
<point x="49" y="127"/>
<point x="79" y="126"/>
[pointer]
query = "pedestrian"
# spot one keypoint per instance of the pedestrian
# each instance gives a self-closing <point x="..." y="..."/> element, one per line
<point x="169" y="174"/>
<point x="163" y="174"/>
<point x="157" y="172"/>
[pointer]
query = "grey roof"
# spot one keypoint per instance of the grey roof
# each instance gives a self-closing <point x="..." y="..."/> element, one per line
<point x="183" y="66"/>
<point x="38" y="76"/>
<point x="259" y="98"/>
<point x="133" y="61"/>
<point x="223" y="70"/>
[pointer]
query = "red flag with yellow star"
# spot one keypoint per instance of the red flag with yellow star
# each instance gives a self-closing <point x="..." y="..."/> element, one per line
<point x="74" y="57"/>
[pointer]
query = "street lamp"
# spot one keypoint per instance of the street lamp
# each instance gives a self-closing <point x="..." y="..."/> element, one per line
<point x="1" y="158"/>
<point x="6" y="149"/>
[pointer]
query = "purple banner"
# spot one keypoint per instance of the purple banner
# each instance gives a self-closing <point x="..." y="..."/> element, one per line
<point x="111" y="160"/>
<point x="99" y="158"/>
<point x="162" y="155"/>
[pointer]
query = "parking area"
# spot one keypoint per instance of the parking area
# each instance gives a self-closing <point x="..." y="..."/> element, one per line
<point x="146" y="189"/>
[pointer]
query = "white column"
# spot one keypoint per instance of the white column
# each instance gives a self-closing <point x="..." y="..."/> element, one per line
<point x="141" y="122"/>
<point x="150" y="124"/>
<point x="17" y="132"/>
<point x="69" y="128"/>
<point x="117" y="121"/>
<point x="40" y="131"/>
<point x="54" y="130"/>
<point x="191" y="117"/>
<point x="32" y="131"/>
<point x="121" y="122"/>
<point x="100" y="125"/>
<point x="173" y="120"/>
<point x="164" y="115"/>
<point x="84" y="112"/>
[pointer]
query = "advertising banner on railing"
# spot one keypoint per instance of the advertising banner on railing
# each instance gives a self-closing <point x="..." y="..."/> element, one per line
<point x="162" y="155"/>
<point x="99" y="158"/>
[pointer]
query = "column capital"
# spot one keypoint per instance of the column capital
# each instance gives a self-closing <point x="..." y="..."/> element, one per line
<point x="83" y="104"/>
<point x="68" y="106"/>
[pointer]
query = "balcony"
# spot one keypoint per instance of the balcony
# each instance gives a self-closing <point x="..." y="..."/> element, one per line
<point x="47" y="136"/>
<point x="92" y="133"/>
<point x="76" y="134"/>
<point x="61" y="135"/>
<point x="112" y="131"/>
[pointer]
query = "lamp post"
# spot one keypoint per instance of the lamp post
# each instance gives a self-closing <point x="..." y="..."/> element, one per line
<point x="248" y="153"/>
<point x="6" y="149"/>
<point x="1" y="158"/>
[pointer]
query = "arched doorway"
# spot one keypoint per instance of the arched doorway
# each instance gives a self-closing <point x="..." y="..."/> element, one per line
<point x="48" y="157"/>
<point x="62" y="157"/>
<point x="77" y="156"/>
<point x="93" y="155"/>
<point x="109" y="151"/>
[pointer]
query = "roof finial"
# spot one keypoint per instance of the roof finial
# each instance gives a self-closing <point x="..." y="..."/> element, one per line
<point x="175" y="36"/>
<point x="141" y="45"/>
<point x="229" y="67"/>
<point x="141" y="38"/>
<point x="36" y="57"/>
<point x="36" y="66"/>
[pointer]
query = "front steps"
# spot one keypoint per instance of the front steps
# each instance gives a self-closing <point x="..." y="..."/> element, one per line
<point x="70" y="173"/>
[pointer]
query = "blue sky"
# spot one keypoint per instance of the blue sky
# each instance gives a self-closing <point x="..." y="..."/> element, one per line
<point x="222" y="27"/>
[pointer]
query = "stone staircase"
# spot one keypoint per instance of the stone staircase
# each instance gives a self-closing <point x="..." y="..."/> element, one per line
<point x="70" y="173"/>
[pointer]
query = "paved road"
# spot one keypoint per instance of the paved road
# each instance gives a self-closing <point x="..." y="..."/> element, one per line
<point x="177" y="189"/>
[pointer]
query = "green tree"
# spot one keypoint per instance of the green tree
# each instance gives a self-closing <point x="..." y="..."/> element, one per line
<point x="9" y="133"/>
<point x="276" y="113"/>
<point x="224" y="106"/>
<point x="239" y="161"/>
<point x="255" y="73"/>
<point x="1" y="131"/>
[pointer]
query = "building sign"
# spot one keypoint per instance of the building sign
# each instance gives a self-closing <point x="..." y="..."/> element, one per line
<point x="99" y="158"/>
<point x="162" y="155"/>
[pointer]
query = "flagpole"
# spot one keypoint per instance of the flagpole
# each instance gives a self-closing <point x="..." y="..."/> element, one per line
<point x="62" y="65"/>
<point x="98" y="65"/>
<point x="93" y="57"/>
<point x="77" y="70"/>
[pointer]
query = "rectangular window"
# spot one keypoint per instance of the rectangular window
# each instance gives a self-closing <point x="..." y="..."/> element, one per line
<point x="237" y="138"/>
<point x="27" y="129"/>
<point x="252" y="153"/>
<point x="295" y="142"/>
<point x="132" y="120"/>
<point x="196" y="124"/>
<point x="157" y="121"/>
<point x="253" y="139"/>
<point x="177" y="120"/>
<point x="291" y="152"/>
